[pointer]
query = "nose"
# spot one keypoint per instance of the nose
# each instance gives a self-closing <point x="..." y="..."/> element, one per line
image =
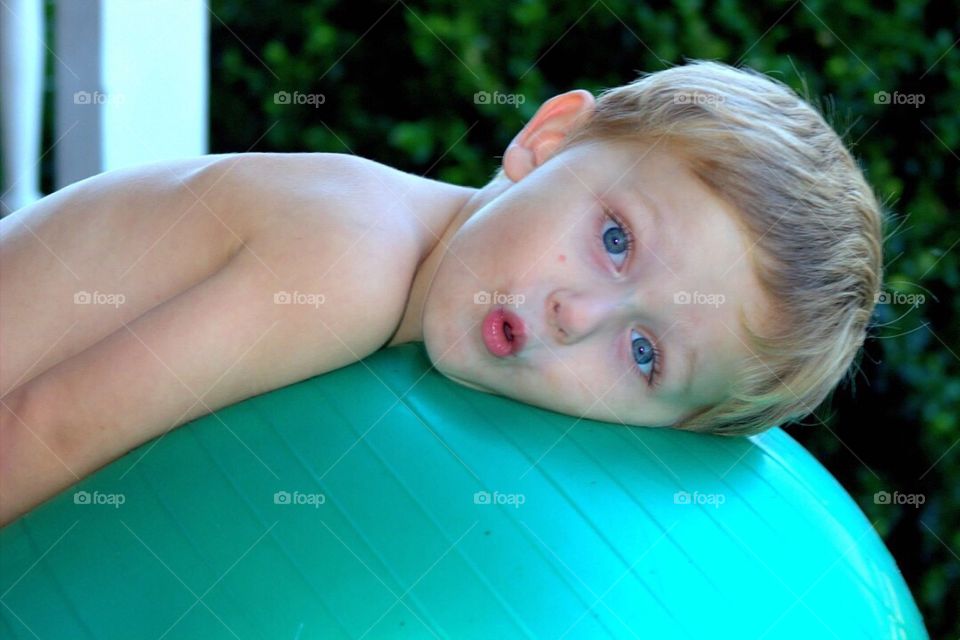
<point x="571" y="316"/>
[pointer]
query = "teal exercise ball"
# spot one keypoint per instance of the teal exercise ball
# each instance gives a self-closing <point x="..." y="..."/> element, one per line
<point x="383" y="500"/>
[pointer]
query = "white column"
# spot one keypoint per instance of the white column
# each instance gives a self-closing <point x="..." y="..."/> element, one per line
<point x="138" y="90"/>
<point x="21" y="94"/>
<point x="154" y="62"/>
<point x="76" y="107"/>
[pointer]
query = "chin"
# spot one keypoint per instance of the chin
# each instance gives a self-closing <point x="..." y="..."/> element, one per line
<point x="469" y="384"/>
<point x="448" y="348"/>
<point x="452" y="373"/>
<point x="453" y="362"/>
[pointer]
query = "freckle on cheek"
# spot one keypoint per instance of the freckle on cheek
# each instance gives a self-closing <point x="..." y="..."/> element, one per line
<point x="561" y="258"/>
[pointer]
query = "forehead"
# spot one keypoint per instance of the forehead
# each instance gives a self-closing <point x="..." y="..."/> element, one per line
<point x="625" y="163"/>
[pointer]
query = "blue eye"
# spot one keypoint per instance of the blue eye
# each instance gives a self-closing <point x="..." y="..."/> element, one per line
<point x="617" y="240"/>
<point x="645" y="354"/>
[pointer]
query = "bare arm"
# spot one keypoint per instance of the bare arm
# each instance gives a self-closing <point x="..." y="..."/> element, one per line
<point x="214" y="343"/>
<point x="80" y="262"/>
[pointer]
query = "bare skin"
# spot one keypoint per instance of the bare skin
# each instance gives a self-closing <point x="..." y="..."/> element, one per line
<point x="198" y="326"/>
<point x="204" y="252"/>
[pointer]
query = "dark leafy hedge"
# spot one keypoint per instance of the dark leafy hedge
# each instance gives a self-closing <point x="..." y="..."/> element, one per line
<point x="398" y="83"/>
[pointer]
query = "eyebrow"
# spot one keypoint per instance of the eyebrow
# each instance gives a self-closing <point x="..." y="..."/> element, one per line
<point x="691" y="355"/>
<point x="648" y="202"/>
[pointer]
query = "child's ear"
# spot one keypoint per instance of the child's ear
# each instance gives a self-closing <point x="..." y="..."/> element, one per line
<point x="538" y="140"/>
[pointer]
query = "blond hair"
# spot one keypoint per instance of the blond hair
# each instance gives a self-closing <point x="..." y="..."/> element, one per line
<point x="803" y="201"/>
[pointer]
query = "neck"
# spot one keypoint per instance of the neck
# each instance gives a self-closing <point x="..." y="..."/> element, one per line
<point x="454" y="208"/>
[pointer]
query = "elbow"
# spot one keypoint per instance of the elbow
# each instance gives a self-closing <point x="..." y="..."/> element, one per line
<point x="33" y="465"/>
<point x="13" y="425"/>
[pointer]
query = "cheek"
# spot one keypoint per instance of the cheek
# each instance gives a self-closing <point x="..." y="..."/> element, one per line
<point x="487" y="248"/>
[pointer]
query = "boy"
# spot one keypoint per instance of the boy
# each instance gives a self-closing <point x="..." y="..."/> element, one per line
<point x="696" y="249"/>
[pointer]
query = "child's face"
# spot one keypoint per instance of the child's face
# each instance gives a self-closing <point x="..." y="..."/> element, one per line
<point x="591" y="310"/>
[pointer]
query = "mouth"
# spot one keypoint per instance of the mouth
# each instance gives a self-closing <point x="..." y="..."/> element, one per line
<point x="503" y="332"/>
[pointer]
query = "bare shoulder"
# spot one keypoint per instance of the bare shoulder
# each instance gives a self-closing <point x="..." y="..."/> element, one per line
<point x="265" y="186"/>
<point x="330" y="242"/>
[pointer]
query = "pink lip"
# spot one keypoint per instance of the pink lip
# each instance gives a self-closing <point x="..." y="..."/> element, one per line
<point x="496" y="325"/>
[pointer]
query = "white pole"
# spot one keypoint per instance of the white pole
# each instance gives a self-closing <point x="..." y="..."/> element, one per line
<point x="154" y="78"/>
<point x="21" y="101"/>
<point x="133" y="85"/>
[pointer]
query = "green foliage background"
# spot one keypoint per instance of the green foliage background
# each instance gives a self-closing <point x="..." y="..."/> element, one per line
<point x="399" y="80"/>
